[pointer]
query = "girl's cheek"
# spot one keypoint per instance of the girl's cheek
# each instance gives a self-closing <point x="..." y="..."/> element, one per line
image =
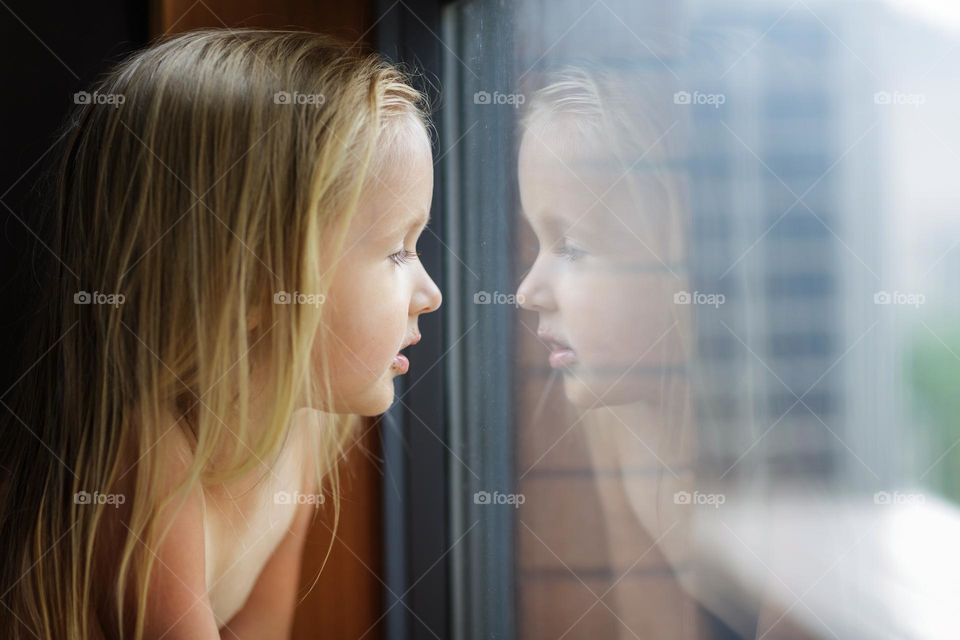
<point x="385" y="322"/>
<point x="577" y="311"/>
<point x="628" y="320"/>
<point x="594" y="313"/>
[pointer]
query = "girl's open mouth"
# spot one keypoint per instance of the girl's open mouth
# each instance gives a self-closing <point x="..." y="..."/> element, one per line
<point x="562" y="354"/>
<point x="562" y="357"/>
<point x="400" y="363"/>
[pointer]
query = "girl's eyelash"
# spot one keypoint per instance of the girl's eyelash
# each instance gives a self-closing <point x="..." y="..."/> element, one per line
<point x="403" y="256"/>
<point x="569" y="252"/>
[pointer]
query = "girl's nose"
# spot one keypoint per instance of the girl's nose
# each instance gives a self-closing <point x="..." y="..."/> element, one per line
<point x="427" y="298"/>
<point x="534" y="293"/>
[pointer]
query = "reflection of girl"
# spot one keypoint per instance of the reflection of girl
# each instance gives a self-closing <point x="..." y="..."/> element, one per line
<point x="598" y="194"/>
<point x="253" y="205"/>
<point x="600" y="186"/>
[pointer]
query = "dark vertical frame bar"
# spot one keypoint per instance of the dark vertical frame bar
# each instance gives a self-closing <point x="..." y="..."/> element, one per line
<point x="480" y="180"/>
<point x="416" y="497"/>
<point x="452" y="435"/>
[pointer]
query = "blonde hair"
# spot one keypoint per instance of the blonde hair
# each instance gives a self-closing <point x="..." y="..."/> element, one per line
<point x="228" y="170"/>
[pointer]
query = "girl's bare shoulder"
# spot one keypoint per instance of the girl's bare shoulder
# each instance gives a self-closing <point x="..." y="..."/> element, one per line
<point x="178" y="605"/>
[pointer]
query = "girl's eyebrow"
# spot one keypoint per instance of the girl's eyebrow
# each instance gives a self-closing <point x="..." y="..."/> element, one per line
<point x="420" y="219"/>
<point x="555" y="224"/>
<point x="543" y="218"/>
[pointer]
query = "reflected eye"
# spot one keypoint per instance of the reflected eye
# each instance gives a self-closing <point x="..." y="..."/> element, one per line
<point x="403" y="256"/>
<point x="569" y="252"/>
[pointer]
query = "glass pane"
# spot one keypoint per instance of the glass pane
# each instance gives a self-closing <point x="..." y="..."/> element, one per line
<point x="706" y="321"/>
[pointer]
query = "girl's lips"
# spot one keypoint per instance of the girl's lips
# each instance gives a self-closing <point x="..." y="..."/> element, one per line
<point x="400" y="364"/>
<point x="561" y="354"/>
<point x="562" y="357"/>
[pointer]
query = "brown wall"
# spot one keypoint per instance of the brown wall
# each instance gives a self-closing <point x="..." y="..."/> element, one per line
<point x="348" y="20"/>
<point x="347" y="599"/>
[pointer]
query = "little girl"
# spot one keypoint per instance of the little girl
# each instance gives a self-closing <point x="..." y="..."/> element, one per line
<point x="228" y="274"/>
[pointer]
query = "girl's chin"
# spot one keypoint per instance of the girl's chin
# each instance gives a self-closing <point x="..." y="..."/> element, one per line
<point x="579" y="394"/>
<point x="379" y="398"/>
<point x="587" y="392"/>
<point x="370" y="403"/>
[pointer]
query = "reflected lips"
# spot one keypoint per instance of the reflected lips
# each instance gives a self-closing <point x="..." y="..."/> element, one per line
<point x="562" y="355"/>
<point x="562" y="358"/>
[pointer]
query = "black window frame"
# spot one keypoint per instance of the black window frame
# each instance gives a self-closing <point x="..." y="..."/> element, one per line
<point x="449" y="562"/>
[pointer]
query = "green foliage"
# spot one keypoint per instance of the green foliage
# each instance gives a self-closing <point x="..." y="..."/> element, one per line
<point x="933" y="374"/>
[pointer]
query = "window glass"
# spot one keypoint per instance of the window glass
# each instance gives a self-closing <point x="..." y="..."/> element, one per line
<point x="706" y="321"/>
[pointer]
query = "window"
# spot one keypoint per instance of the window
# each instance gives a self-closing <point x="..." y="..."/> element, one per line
<point x="701" y="337"/>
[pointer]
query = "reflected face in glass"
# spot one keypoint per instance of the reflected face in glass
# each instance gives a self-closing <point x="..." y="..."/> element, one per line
<point x="600" y="282"/>
<point x="380" y="288"/>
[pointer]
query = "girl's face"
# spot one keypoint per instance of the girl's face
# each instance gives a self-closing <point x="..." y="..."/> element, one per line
<point x="599" y="285"/>
<point x="379" y="290"/>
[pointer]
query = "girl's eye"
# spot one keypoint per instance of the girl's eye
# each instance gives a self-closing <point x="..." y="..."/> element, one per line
<point x="568" y="251"/>
<point x="403" y="256"/>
